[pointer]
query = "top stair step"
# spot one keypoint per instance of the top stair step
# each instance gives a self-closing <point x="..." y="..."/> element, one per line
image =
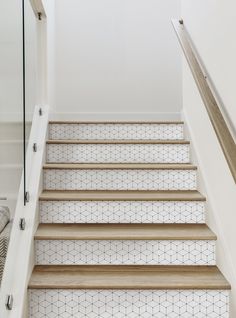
<point x="116" y="130"/>
<point x="91" y="122"/>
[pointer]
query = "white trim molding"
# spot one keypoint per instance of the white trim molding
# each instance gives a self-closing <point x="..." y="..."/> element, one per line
<point x="20" y="258"/>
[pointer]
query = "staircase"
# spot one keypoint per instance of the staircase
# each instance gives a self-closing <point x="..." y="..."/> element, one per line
<point x="122" y="228"/>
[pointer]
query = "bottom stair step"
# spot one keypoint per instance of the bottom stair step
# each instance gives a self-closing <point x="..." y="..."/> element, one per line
<point x="128" y="291"/>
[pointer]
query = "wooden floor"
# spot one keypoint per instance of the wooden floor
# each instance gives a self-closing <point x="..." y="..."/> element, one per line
<point x="122" y="195"/>
<point x="124" y="232"/>
<point x="127" y="277"/>
<point x="148" y="166"/>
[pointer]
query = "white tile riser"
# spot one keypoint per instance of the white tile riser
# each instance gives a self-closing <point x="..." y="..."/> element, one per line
<point x="122" y="212"/>
<point x="124" y="252"/>
<point x="123" y="303"/>
<point x="116" y="131"/>
<point x="128" y="303"/>
<point x="113" y="153"/>
<point x="121" y="179"/>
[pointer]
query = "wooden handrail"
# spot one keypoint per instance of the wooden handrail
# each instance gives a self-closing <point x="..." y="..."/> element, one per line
<point x="221" y="128"/>
<point x="38" y="8"/>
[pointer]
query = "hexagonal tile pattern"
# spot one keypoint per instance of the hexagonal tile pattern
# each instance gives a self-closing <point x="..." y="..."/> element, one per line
<point x="123" y="303"/>
<point x="116" y="131"/>
<point x="123" y="179"/>
<point x="128" y="303"/>
<point x="122" y="212"/>
<point x="125" y="252"/>
<point x="117" y="153"/>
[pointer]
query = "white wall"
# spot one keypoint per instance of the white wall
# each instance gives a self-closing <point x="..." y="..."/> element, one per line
<point x="212" y="28"/>
<point x="117" y="56"/>
<point x="11" y="82"/>
<point x="10" y="60"/>
<point x="211" y="24"/>
<point x="49" y="49"/>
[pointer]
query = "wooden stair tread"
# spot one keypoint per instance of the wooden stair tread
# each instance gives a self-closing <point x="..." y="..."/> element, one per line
<point x="72" y="166"/>
<point x="117" y="122"/>
<point x="121" y="196"/>
<point x="118" y="141"/>
<point x="124" y="232"/>
<point x="127" y="277"/>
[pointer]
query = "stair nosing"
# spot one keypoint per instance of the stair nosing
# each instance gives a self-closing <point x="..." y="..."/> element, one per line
<point x="118" y="141"/>
<point x="118" y="166"/>
<point x="73" y="195"/>
<point x="155" y="277"/>
<point x="58" y="122"/>
<point x="120" y="231"/>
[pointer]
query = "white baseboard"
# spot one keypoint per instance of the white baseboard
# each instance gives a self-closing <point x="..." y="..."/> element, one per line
<point x="116" y="116"/>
